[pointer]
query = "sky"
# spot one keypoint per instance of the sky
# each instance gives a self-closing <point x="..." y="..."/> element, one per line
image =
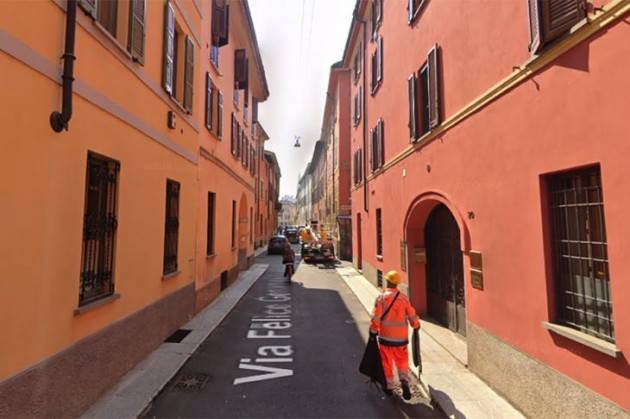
<point x="299" y="40"/>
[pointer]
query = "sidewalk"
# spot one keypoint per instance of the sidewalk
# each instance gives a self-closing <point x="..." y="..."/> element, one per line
<point x="139" y="386"/>
<point x="457" y="391"/>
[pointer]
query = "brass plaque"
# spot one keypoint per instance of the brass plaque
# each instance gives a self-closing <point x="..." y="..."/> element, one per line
<point x="476" y="279"/>
<point x="420" y="254"/>
<point x="475" y="260"/>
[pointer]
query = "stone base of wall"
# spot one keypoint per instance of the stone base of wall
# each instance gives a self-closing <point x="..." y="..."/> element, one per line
<point x="369" y="272"/>
<point x="66" y="384"/>
<point x="207" y="294"/>
<point x="534" y="388"/>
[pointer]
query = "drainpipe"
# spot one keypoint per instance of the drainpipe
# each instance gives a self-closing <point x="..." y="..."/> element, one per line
<point x="59" y="121"/>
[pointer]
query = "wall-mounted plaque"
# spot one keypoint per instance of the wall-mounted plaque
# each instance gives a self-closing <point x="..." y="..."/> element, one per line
<point x="420" y="254"/>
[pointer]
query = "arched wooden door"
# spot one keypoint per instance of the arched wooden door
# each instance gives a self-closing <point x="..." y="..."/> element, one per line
<point x="445" y="272"/>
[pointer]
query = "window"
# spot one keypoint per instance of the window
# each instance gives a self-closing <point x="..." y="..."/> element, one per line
<point x="220" y="23"/>
<point x="210" y="232"/>
<point x="214" y="55"/>
<point x="241" y="70"/>
<point x="233" y="224"/>
<point x="179" y="61"/>
<point x="251" y="229"/>
<point x="377" y="146"/>
<point x="171" y="227"/>
<point x="581" y="272"/>
<point x="358" y="103"/>
<point x="379" y="278"/>
<point x="413" y="9"/>
<point x="424" y="97"/>
<point x="254" y="110"/>
<point x="377" y="65"/>
<point x="100" y="224"/>
<point x="357" y="63"/>
<point x="379" y="233"/>
<point x="550" y="19"/>
<point x="124" y="20"/>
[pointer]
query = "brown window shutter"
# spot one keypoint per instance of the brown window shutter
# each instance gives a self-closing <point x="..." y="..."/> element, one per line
<point x="410" y="11"/>
<point x="169" y="48"/>
<point x="379" y="60"/>
<point x="224" y="35"/>
<point x="89" y="7"/>
<point x="136" y="31"/>
<point x="209" y="101"/>
<point x="189" y="74"/>
<point x="219" y="115"/>
<point x="379" y="11"/>
<point x="380" y="135"/>
<point x="413" y="108"/>
<point x="360" y="110"/>
<point x="558" y="16"/>
<point x="372" y="149"/>
<point x="373" y="65"/>
<point x="434" y="87"/>
<point x="535" y="35"/>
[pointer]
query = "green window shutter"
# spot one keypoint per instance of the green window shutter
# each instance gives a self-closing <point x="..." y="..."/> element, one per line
<point x="137" y="12"/>
<point x="434" y="87"/>
<point x="169" y="48"/>
<point x="189" y="74"/>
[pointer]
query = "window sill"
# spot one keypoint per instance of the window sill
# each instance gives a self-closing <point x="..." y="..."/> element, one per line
<point x="96" y="304"/>
<point x="379" y="258"/>
<point x="178" y="104"/>
<point x="592" y="342"/>
<point x="170" y="275"/>
<point x="211" y="256"/>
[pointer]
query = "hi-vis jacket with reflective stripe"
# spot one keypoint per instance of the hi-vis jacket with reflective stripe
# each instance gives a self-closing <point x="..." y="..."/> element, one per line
<point x="393" y="329"/>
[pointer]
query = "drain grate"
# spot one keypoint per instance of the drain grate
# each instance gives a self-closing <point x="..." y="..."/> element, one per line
<point x="191" y="382"/>
<point x="178" y="336"/>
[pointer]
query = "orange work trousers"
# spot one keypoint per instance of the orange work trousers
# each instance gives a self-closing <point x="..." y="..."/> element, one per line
<point x="398" y="356"/>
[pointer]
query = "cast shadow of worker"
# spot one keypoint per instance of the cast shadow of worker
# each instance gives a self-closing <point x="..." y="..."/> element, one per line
<point x="446" y="403"/>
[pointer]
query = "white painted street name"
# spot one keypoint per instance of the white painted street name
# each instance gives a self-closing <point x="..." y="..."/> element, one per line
<point x="273" y="359"/>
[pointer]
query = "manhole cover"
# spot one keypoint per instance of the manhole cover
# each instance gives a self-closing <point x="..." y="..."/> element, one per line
<point x="191" y="382"/>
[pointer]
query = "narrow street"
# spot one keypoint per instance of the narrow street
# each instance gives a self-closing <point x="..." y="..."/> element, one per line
<point x="308" y="369"/>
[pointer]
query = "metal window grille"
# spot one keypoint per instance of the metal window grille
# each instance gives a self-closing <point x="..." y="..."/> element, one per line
<point x="379" y="233"/>
<point x="580" y="250"/>
<point x="171" y="228"/>
<point x="99" y="229"/>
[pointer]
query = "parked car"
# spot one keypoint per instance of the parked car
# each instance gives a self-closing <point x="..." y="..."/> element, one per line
<point x="291" y="234"/>
<point x="318" y="252"/>
<point x="276" y="245"/>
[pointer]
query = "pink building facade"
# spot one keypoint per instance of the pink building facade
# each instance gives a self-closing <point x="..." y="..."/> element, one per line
<point x="488" y="161"/>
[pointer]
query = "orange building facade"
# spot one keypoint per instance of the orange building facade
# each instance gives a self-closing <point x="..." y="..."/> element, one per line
<point x="488" y="168"/>
<point x="108" y="245"/>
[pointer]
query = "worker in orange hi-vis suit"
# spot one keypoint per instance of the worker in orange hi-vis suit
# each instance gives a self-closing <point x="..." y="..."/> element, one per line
<point x="392" y="313"/>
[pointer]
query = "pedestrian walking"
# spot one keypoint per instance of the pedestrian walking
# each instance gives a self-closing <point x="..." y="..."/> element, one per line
<point x="288" y="259"/>
<point x="392" y="313"/>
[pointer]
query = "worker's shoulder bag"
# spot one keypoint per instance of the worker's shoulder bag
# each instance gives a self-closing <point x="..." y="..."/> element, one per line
<point x="371" y="364"/>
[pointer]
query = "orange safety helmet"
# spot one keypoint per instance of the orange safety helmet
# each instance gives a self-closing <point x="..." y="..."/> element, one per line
<point x="393" y="277"/>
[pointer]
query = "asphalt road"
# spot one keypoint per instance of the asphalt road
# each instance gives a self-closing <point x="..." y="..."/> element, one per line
<point x="300" y="361"/>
